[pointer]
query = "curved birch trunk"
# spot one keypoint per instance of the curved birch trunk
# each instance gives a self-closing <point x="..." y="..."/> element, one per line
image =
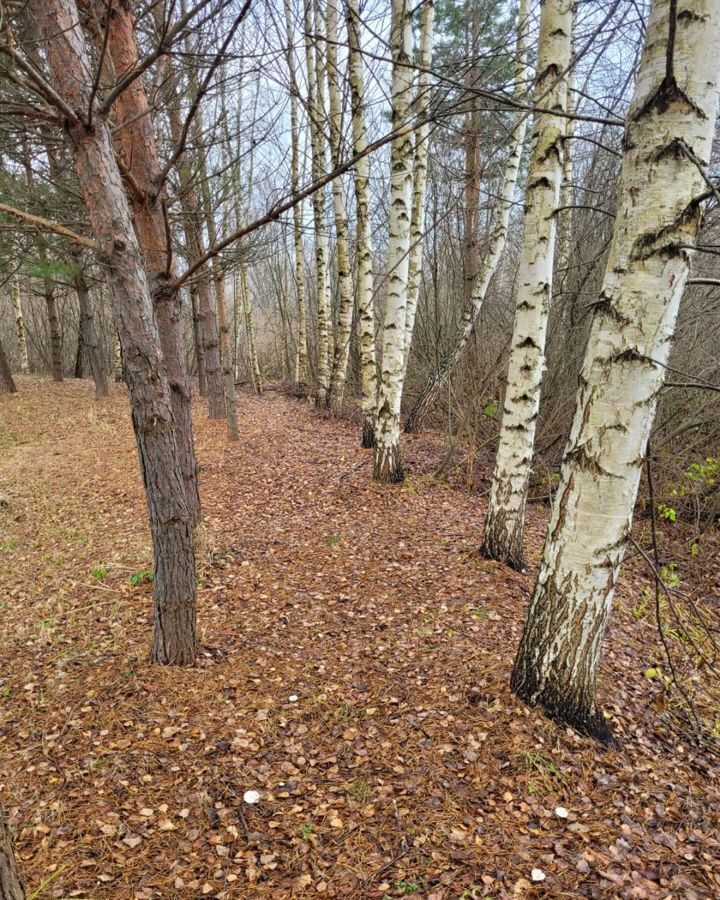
<point x="434" y="384"/>
<point x="365" y="303"/>
<point x="422" y="135"/>
<point x="171" y="525"/>
<point x="674" y="106"/>
<point x="11" y="886"/>
<point x="20" y="326"/>
<point x="508" y="493"/>
<point x="341" y="353"/>
<point x="136" y="139"/>
<point x="317" y="143"/>
<point x="301" y="362"/>
<point x="388" y="465"/>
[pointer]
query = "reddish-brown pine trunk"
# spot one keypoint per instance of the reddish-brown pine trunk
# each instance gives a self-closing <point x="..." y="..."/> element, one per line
<point x="171" y="524"/>
<point x="136" y="135"/>
<point x="11" y="887"/>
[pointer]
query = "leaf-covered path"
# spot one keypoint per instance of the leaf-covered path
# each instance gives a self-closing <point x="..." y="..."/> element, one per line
<point x="354" y="666"/>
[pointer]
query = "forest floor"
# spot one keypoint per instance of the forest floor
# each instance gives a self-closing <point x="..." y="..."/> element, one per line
<point x="354" y="671"/>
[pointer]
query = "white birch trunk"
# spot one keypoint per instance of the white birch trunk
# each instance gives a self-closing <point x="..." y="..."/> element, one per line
<point x="242" y="286"/>
<point x="365" y="304"/>
<point x="345" y="309"/>
<point x="315" y="107"/>
<point x="20" y="326"/>
<point x="117" y="358"/>
<point x="301" y="372"/>
<point x="388" y="466"/>
<point x="495" y="249"/>
<point x="675" y="104"/>
<point x="422" y="135"/>
<point x="508" y="493"/>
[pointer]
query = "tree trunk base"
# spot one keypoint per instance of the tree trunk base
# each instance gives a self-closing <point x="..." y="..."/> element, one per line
<point x="502" y="544"/>
<point x="368" y="435"/>
<point x="587" y="722"/>
<point x="388" y="467"/>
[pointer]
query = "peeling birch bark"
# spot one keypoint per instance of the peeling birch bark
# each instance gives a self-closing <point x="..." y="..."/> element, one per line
<point x="388" y="465"/>
<point x="365" y="303"/>
<point x="674" y="105"/>
<point x="496" y="246"/>
<point x="504" y="524"/>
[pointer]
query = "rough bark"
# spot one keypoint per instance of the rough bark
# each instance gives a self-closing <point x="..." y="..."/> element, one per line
<point x="674" y="105"/>
<point x="388" y="465"/>
<point x="422" y="136"/>
<point x="504" y="524"/>
<point x="197" y="342"/>
<point x="315" y="107"/>
<point x="55" y="333"/>
<point x="171" y="524"/>
<point x="341" y="353"/>
<point x="301" y="365"/>
<point x="365" y="303"/>
<point x="496" y="245"/>
<point x="20" y="327"/>
<point x="88" y="335"/>
<point x="136" y="137"/>
<point x="11" y="886"/>
<point x="7" y="383"/>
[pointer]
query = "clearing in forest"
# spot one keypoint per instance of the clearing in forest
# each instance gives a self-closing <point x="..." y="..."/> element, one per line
<point x="354" y="665"/>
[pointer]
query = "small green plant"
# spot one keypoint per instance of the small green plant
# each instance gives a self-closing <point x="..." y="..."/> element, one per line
<point x="490" y="407"/>
<point x="667" y="512"/>
<point x="138" y="578"/>
<point x="543" y="765"/>
<point x="655" y="673"/>
<point x="407" y="887"/>
<point x="6" y="691"/>
<point x="471" y="893"/>
<point x="669" y="575"/>
<point x="333" y="540"/>
<point x="307" y="829"/>
<point x="99" y="572"/>
<point x="360" y="790"/>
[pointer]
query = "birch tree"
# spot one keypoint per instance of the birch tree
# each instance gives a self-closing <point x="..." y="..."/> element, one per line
<point x="388" y="464"/>
<point x="20" y="326"/>
<point x="508" y="493"/>
<point x="668" y="139"/>
<point x="315" y="106"/>
<point x="422" y="136"/>
<point x="341" y="352"/>
<point x="301" y="364"/>
<point x="496" y="245"/>
<point x="171" y="524"/>
<point x="364" y="252"/>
